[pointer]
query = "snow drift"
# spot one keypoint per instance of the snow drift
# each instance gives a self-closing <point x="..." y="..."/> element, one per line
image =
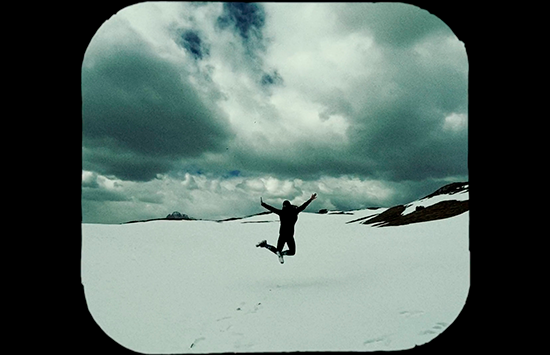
<point x="203" y="286"/>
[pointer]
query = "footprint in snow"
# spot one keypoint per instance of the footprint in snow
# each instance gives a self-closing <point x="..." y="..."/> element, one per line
<point x="384" y="339"/>
<point x="408" y="314"/>
<point x="437" y="328"/>
<point x="253" y="310"/>
<point x="196" y="342"/>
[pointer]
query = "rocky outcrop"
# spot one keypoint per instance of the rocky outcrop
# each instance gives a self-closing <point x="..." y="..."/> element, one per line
<point x="174" y="216"/>
<point x="178" y="215"/>
<point x="440" y="210"/>
<point x="443" y="209"/>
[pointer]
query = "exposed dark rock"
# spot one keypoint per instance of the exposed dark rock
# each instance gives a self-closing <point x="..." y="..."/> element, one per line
<point x="174" y="216"/>
<point x="178" y="215"/>
<point x="440" y="210"/>
<point x="387" y="216"/>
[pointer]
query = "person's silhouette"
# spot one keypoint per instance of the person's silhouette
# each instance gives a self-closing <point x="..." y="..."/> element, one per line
<point x="288" y="217"/>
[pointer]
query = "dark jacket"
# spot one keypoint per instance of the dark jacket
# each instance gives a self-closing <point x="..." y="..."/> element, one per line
<point x="287" y="216"/>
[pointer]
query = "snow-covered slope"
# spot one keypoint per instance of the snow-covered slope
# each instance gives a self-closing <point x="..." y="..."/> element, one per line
<point x="462" y="195"/>
<point x="203" y="287"/>
<point x="449" y="201"/>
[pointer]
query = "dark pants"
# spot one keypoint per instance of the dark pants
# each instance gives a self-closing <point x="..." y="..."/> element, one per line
<point x="288" y="239"/>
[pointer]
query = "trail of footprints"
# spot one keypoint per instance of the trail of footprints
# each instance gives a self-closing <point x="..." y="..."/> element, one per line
<point x="437" y="328"/>
<point x="243" y="309"/>
<point x="386" y="339"/>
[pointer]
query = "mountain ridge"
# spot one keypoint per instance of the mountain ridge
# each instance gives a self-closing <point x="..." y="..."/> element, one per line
<point x="397" y="215"/>
<point x="437" y="205"/>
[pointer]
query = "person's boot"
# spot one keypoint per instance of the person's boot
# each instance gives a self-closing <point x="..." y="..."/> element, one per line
<point x="262" y="244"/>
<point x="281" y="260"/>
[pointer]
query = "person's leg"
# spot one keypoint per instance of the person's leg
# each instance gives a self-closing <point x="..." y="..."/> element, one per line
<point x="271" y="248"/>
<point x="291" y="247"/>
<point x="263" y="244"/>
<point x="281" y="242"/>
<point x="276" y="251"/>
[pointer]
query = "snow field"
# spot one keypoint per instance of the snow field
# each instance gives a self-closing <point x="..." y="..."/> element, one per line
<point x="203" y="287"/>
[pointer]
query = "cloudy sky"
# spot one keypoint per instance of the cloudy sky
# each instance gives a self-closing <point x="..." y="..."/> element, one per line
<point x="204" y="107"/>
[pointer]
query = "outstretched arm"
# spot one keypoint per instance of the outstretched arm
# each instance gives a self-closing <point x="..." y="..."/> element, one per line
<point x="271" y="208"/>
<point x="305" y="204"/>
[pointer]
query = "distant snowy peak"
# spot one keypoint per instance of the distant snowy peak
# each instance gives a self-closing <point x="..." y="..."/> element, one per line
<point x="448" y="201"/>
<point x="451" y="189"/>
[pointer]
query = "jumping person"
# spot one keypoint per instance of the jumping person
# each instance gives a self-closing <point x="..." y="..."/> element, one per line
<point x="288" y="217"/>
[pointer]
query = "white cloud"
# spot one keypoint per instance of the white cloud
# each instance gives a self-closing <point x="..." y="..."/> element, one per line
<point x="445" y="50"/>
<point x="211" y="197"/>
<point x="353" y="116"/>
<point x="455" y="122"/>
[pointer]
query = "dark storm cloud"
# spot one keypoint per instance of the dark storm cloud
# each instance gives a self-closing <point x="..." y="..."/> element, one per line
<point x="100" y="194"/>
<point x="273" y="78"/>
<point x="402" y="130"/>
<point x="109" y="159"/>
<point x="402" y="145"/>
<point x="248" y="22"/>
<point x="409" y="147"/>
<point x="192" y="42"/>
<point x="248" y="19"/>
<point x="141" y="112"/>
